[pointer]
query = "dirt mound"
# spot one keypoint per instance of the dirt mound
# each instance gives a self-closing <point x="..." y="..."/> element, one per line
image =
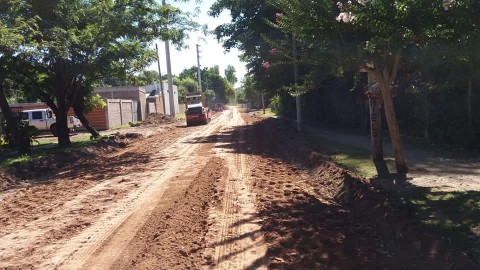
<point x="158" y="119"/>
<point x="37" y="169"/>
<point x="120" y="140"/>
<point x="8" y="181"/>
<point x="395" y="226"/>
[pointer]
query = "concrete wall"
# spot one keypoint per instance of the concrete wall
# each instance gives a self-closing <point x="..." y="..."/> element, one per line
<point x="182" y="108"/>
<point x="129" y="93"/>
<point x="120" y="112"/>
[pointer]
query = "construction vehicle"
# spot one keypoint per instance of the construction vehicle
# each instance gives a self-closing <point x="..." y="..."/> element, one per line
<point x="196" y="110"/>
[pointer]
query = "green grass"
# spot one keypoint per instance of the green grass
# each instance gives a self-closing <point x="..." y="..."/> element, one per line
<point x="356" y="159"/>
<point x="44" y="148"/>
<point x="269" y="113"/>
<point x="5" y="163"/>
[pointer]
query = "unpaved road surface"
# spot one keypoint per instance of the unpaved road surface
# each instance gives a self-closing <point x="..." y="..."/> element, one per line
<point x="239" y="193"/>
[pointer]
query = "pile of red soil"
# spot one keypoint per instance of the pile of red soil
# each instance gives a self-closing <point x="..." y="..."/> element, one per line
<point x="120" y="140"/>
<point x="38" y="169"/>
<point x="158" y="119"/>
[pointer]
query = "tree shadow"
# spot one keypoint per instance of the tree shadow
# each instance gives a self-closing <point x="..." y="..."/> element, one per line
<point x="361" y="228"/>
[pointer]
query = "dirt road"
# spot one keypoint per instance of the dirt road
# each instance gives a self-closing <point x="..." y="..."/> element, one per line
<point x="239" y="193"/>
<point x="93" y="218"/>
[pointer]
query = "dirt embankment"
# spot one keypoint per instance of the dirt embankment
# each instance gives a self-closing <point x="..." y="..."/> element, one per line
<point x="43" y="168"/>
<point x="318" y="215"/>
<point x="35" y="171"/>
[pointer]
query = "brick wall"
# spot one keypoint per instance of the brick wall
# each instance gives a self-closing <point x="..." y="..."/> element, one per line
<point x="98" y="118"/>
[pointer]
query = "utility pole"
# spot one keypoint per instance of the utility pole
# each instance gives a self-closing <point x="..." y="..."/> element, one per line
<point x="169" y="75"/>
<point x="295" y="75"/>
<point x="162" y="94"/>
<point x="199" y="76"/>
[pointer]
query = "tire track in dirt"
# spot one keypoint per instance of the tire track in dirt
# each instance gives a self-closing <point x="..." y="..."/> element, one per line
<point x="27" y="246"/>
<point x="99" y="245"/>
<point x="237" y="241"/>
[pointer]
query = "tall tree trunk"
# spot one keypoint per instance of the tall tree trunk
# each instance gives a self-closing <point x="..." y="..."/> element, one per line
<point x="377" y="137"/>
<point x="61" y="115"/>
<point x="12" y="124"/>
<point x="384" y="82"/>
<point x="79" y="112"/>
<point x="376" y="130"/>
<point x="62" y="126"/>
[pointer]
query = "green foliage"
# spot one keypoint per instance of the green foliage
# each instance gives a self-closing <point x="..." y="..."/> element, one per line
<point x="76" y="43"/>
<point x="185" y="85"/>
<point x="94" y="101"/>
<point x="230" y="75"/>
<point x="240" y="97"/>
<point x="145" y="77"/>
<point x="275" y="104"/>
<point x="211" y="80"/>
<point x="251" y="93"/>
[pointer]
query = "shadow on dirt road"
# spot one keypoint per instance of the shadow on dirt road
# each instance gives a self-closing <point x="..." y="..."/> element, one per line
<point x="315" y="214"/>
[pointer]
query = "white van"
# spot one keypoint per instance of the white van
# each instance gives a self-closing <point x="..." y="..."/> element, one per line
<point x="44" y="120"/>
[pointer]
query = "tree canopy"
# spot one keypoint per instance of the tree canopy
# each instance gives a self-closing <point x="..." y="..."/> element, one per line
<point x="77" y="43"/>
<point x="417" y="39"/>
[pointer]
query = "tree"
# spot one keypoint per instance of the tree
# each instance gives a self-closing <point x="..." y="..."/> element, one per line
<point x="230" y="75"/>
<point x="145" y="77"/>
<point x="250" y="92"/>
<point x="211" y="80"/>
<point x="84" y="41"/>
<point x="18" y="36"/>
<point x="185" y="85"/>
<point x="370" y="34"/>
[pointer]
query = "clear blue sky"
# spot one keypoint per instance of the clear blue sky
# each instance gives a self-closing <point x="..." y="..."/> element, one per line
<point x="212" y="52"/>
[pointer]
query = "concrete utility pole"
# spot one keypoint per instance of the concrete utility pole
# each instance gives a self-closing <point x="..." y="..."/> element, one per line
<point x="295" y="75"/>
<point x="199" y="76"/>
<point x="170" y="78"/>
<point x="169" y="75"/>
<point x="162" y="94"/>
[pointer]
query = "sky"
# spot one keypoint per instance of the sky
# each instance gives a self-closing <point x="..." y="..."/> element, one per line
<point x="211" y="52"/>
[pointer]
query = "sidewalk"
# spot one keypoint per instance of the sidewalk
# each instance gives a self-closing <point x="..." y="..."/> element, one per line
<point x="438" y="170"/>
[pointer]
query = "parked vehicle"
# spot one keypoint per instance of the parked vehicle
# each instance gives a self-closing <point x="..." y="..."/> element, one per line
<point x="44" y="120"/>
<point x="197" y="112"/>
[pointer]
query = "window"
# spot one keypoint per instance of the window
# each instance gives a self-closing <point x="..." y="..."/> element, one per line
<point x="195" y="110"/>
<point x="37" y="115"/>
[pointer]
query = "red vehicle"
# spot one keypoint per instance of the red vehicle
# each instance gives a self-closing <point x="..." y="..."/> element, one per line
<point x="197" y="114"/>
